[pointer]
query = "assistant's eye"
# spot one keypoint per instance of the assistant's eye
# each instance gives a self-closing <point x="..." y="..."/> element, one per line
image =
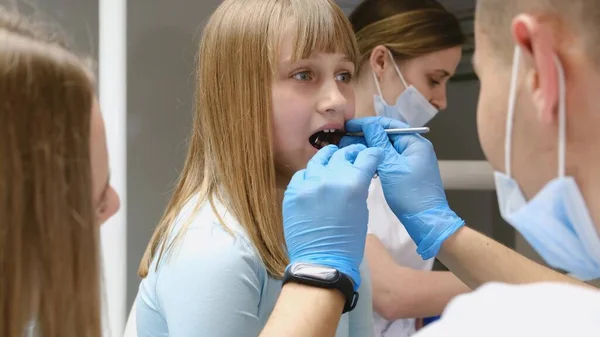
<point x="433" y="82"/>
<point x="344" y="77"/>
<point x="303" y="76"/>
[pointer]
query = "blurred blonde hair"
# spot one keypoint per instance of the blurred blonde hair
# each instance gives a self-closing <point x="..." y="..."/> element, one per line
<point x="230" y="156"/>
<point x="49" y="241"/>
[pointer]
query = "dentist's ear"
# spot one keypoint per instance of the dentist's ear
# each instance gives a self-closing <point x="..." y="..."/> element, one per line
<point x="535" y="38"/>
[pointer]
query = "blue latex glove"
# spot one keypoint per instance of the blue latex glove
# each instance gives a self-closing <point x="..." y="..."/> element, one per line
<point x="325" y="208"/>
<point x="411" y="182"/>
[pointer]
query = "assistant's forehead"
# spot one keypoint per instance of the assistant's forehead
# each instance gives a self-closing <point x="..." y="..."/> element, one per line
<point x="442" y="59"/>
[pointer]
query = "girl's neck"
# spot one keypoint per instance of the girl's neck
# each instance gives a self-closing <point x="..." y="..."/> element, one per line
<point x="281" y="183"/>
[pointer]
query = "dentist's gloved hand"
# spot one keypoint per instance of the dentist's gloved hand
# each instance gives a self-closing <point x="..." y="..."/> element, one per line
<point x="411" y="182"/>
<point x="325" y="208"/>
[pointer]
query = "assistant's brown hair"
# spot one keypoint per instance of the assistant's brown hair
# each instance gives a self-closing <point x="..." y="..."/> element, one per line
<point x="49" y="249"/>
<point x="408" y="28"/>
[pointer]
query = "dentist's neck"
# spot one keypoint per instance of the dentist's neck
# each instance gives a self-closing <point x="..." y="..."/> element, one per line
<point x="364" y="89"/>
<point x="588" y="177"/>
<point x="585" y="150"/>
<point x="583" y="138"/>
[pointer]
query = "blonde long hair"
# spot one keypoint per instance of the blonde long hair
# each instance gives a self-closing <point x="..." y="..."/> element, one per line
<point x="49" y="241"/>
<point x="230" y="155"/>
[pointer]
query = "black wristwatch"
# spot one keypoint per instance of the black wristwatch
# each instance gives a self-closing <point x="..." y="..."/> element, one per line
<point x="323" y="277"/>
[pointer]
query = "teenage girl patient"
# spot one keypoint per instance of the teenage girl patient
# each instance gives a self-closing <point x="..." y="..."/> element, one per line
<point x="271" y="73"/>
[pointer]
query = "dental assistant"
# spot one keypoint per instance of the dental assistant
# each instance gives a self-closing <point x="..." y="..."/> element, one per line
<point x="409" y="50"/>
<point x="538" y="125"/>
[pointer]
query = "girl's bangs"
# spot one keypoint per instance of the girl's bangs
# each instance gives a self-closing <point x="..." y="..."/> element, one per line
<point x="320" y="26"/>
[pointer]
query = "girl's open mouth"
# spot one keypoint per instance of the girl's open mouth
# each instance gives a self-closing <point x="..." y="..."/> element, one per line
<point x="326" y="137"/>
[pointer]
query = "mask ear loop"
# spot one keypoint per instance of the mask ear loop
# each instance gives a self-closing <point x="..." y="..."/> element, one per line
<point x="562" y="118"/>
<point x="397" y="69"/>
<point x="511" y="111"/>
<point x="377" y="84"/>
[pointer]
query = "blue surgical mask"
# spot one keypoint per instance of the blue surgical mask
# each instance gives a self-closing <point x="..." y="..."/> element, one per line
<point x="411" y="106"/>
<point x="556" y="222"/>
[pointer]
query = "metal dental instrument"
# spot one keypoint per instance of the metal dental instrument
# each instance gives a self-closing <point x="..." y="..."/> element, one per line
<point x="394" y="131"/>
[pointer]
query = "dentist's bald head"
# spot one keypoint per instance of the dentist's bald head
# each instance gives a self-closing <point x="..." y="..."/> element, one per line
<point x="578" y="20"/>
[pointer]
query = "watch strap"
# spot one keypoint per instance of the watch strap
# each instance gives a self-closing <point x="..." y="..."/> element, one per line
<point x="342" y="282"/>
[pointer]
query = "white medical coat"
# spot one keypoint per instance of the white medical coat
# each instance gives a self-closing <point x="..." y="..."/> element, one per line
<point x="501" y="310"/>
<point x="394" y="237"/>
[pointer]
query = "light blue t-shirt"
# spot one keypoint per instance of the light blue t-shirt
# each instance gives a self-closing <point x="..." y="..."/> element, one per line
<point x="215" y="284"/>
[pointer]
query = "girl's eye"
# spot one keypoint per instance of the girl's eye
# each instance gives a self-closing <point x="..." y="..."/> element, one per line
<point x="344" y="77"/>
<point x="303" y="76"/>
<point x="433" y="82"/>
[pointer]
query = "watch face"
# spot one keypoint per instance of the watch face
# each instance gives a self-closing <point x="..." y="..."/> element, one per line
<point x="315" y="271"/>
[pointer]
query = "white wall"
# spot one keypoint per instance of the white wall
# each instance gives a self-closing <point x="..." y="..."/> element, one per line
<point x="162" y="40"/>
<point x="113" y="96"/>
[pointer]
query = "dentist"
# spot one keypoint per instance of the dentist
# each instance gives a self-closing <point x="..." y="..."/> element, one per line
<point x="538" y="126"/>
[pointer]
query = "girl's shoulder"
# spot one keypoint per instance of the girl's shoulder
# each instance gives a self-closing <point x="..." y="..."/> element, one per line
<point x="205" y="215"/>
<point x="206" y="227"/>
<point x="206" y="235"/>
